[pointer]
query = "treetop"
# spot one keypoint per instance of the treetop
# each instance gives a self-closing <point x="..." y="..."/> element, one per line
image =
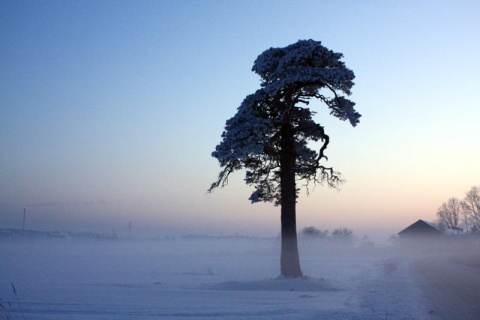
<point x="306" y="67"/>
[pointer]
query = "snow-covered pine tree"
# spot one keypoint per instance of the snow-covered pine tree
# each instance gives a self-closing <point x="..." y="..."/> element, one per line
<point x="270" y="134"/>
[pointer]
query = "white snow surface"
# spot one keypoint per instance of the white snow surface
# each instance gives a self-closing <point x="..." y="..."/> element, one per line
<point x="203" y="279"/>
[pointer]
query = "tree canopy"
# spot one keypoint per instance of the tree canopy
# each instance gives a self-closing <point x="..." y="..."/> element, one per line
<point x="290" y="78"/>
<point x="449" y="213"/>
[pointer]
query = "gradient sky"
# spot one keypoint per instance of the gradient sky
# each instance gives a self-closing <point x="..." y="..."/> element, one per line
<point x="109" y="111"/>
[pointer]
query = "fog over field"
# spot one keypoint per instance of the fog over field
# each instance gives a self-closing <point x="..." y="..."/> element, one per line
<point x="118" y="119"/>
<point x="235" y="278"/>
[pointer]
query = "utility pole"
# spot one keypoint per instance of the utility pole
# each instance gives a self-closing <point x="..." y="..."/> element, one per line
<point x="24" y="216"/>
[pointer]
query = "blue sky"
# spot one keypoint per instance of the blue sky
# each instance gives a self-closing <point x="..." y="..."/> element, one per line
<point x="109" y="111"/>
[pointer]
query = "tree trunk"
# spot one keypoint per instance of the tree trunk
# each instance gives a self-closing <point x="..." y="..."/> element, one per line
<point x="289" y="259"/>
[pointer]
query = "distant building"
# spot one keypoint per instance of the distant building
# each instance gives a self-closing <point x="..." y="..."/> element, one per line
<point x="420" y="229"/>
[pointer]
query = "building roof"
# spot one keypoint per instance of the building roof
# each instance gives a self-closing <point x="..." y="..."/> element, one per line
<point x="420" y="228"/>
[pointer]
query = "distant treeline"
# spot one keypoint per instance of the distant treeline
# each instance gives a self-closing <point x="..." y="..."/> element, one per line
<point x="27" y="235"/>
<point x="339" y="233"/>
<point x="221" y="237"/>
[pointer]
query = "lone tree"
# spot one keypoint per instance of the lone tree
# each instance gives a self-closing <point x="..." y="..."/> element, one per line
<point x="269" y="135"/>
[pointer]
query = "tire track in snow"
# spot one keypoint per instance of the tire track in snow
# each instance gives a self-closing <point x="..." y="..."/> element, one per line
<point x="451" y="286"/>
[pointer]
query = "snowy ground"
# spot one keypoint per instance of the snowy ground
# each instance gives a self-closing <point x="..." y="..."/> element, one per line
<point x="222" y="279"/>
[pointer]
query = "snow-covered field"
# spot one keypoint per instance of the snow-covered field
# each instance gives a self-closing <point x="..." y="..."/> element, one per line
<point x="207" y="279"/>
